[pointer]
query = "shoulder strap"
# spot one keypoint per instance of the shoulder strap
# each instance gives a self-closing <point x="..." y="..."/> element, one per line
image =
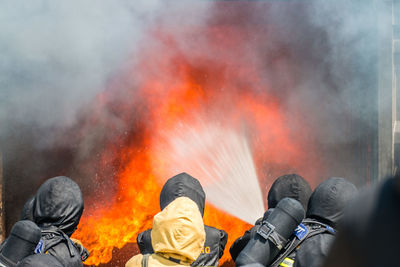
<point x="318" y="227"/>
<point x="145" y="260"/>
<point x="319" y="231"/>
<point x="289" y="249"/>
<point x="299" y="238"/>
<point x="52" y="238"/>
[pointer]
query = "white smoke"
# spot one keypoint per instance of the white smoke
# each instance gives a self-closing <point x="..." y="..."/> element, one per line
<point x="57" y="56"/>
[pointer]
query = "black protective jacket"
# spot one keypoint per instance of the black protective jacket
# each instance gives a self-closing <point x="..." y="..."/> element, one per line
<point x="314" y="239"/>
<point x="289" y="185"/>
<point x="325" y="209"/>
<point x="369" y="232"/>
<point x="187" y="186"/>
<point x="57" y="209"/>
<point x="27" y="211"/>
<point x="314" y="250"/>
<point x="40" y="260"/>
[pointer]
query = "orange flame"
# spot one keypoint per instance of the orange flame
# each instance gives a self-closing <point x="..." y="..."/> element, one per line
<point x="217" y="84"/>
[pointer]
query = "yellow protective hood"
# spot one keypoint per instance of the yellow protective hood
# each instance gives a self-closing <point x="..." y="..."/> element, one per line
<point x="178" y="230"/>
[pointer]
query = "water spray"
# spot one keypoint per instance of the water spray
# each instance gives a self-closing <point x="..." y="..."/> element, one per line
<point x="222" y="160"/>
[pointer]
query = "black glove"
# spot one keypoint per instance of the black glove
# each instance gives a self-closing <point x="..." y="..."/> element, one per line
<point x="82" y="250"/>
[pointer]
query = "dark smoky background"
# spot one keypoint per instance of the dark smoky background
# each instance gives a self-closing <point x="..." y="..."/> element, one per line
<point x="59" y="61"/>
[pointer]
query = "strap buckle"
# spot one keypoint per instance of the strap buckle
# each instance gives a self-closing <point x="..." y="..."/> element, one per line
<point x="265" y="230"/>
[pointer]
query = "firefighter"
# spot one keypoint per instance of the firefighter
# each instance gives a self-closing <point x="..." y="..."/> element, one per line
<point x="177" y="236"/>
<point x="27" y="214"/>
<point x="185" y="185"/>
<point x="57" y="209"/>
<point x="312" y="239"/>
<point x="289" y="185"/>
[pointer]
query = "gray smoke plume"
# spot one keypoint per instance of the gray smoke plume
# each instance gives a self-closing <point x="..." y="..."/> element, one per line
<point x="56" y="58"/>
<point x="318" y="57"/>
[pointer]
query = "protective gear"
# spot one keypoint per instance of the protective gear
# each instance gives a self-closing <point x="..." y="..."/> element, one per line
<point x="40" y="260"/>
<point x="185" y="185"/>
<point x="314" y="250"/>
<point x="23" y="239"/>
<point x="59" y="203"/>
<point x="57" y="209"/>
<point x="177" y="236"/>
<point x="369" y="231"/>
<point x="289" y="185"/>
<point x="242" y="241"/>
<point x="273" y="234"/>
<point x="82" y="250"/>
<point x="59" y="245"/>
<point x="144" y="242"/>
<point x="254" y="265"/>
<point x="27" y="211"/>
<point x="310" y="244"/>
<point x="310" y="230"/>
<point x="213" y="247"/>
<point x="329" y="199"/>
